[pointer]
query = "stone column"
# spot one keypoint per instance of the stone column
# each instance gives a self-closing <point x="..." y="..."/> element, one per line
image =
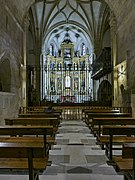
<point x="37" y="65"/>
<point x="24" y="101"/>
<point x="129" y="77"/>
<point x="113" y="33"/>
<point x="42" y="77"/>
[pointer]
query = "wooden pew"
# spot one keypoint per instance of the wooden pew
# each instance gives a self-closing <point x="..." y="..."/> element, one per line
<point x="128" y="154"/>
<point x="42" y="111"/>
<point x="39" y="115"/>
<point x="96" y="107"/>
<point x="100" y="122"/>
<point x="111" y="114"/>
<point x="37" y="109"/>
<point x="126" y="164"/>
<point x="51" y="121"/>
<point x="27" y="130"/>
<point x="87" y="111"/>
<point x="118" y="135"/>
<point x="18" y="152"/>
<point x="21" y="156"/>
<point x="104" y="115"/>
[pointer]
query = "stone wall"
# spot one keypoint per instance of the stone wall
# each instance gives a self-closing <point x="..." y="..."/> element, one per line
<point x="125" y="18"/>
<point x="126" y="37"/>
<point x="11" y="49"/>
<point x="8" y="106"/>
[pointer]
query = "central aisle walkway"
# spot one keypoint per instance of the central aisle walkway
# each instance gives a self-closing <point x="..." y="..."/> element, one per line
<point x="77" y="157"/>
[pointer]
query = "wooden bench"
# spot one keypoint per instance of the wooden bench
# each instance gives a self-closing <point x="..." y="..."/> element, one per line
<point x="39" y="115"/>
<point x="21" y="156"/>
<point x="43" y="111"/>
<point x="126" y="163"/>
<point x="27" y="130"/>
<point x="124" y="166"/>
<point x="104" y="115"/>
<point x="100" y="122"/>
<point x="18" y="152"/>
<point x="51" y="121"/>
<point x="87" y="111"/>
<point x="117" y="135"/>
<point x="37" y="109"/>
<point x="96" y="108"/>
<point x="128" y="154"/>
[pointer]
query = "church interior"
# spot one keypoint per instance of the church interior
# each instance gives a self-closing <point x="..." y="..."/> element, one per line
<point x="76" y="57"/>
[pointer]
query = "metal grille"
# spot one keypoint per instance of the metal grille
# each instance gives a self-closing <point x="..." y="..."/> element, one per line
<point x="67" y="86"/>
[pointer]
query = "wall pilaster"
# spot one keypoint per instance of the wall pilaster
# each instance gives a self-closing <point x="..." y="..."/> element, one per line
<point x="113" y="33"/>
<point x="24" y="65"/>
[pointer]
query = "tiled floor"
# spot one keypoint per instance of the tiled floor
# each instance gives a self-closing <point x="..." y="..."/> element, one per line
<point x="75" y="157"/>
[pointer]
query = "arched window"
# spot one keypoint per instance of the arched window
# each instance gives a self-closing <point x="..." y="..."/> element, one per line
<point x="83" y="49"/>
<point x="5" y="76"/>
<point x="51" y="49"/>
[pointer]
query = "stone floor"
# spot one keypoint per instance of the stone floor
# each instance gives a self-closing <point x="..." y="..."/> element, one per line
<point x="75" y="157"/>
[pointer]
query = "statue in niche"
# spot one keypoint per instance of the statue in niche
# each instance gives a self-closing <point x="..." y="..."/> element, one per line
<point x="59" y="66"/>
<point x="59" y="84"/>
<point x="67" y="53"/>
<point x="59" y="53"/>
<point x="126" y="96"/>
<point x="87" y="50"/>
<point x="52" y="85"/>
<point x="52" y="65"/>
<point x="83" y="87"/>
<point x="75" y="66"/>
<point x="82" y="65"/>
<point x="76" y="83"/>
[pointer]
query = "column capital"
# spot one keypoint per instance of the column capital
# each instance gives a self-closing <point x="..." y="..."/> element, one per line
<point x="26" y="21"/>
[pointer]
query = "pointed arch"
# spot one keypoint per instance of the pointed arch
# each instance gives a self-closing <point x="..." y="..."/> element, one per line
<point x="105" y="92"/>
<point x="5" y="75"/>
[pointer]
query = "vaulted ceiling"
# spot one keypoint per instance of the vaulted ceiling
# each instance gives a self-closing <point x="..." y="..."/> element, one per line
<point x="85" y="21"/>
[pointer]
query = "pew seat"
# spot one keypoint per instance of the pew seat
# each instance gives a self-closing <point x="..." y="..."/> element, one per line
<point x="123" y="165"/>
<point x="39" y="164"/>
<point x="23" y="156"/>
<point x="117" y="135"/>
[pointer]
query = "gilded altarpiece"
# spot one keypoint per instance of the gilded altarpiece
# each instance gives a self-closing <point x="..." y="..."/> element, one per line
<point x="68" y="76"/>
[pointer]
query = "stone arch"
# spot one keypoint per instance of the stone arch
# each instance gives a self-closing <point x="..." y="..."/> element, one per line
<point x="5" y="75"/>
<point x="105" y="92"/>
